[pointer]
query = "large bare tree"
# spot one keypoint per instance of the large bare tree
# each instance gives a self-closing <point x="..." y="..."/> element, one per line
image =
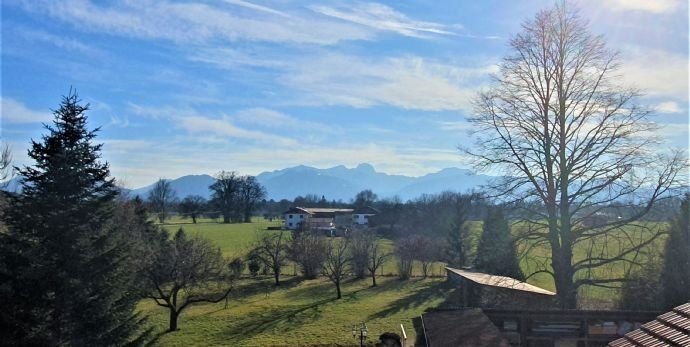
<point x="251" y="192"/>
<point x="570" y="141"/>
<point x="225" y="194"/>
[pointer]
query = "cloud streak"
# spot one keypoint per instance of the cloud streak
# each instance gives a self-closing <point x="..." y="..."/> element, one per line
<point x="383" y="18"/>
<point x="15" y="112"/>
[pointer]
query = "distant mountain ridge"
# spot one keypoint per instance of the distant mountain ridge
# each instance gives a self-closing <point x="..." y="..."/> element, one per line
<point x="338" y="183"/>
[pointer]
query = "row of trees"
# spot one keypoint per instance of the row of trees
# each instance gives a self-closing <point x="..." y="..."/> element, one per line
<point x="234" y="197"/>
<point x="359" y="254"/>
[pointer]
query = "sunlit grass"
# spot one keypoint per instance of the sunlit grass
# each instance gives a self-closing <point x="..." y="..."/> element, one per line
<point x="301" y="313"/>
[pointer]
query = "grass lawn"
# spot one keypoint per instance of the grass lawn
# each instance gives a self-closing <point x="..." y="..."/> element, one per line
<point x="303" y="313"/>
<point x="306" y="313"/>
<point x="234" y="240"/>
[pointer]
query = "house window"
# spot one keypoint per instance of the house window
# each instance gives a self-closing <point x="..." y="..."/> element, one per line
<point x="290" y="224"/>
<point x="290" y="216"/>
<point x="301" y="216"/>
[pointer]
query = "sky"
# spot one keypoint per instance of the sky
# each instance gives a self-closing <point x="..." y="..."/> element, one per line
<point x="182" y="87"/>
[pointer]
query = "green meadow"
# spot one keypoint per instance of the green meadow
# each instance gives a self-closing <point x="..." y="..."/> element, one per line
<point x="305" y="312"/>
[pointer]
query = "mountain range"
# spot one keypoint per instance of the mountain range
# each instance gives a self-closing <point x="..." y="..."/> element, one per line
<point x="338" y="183"/>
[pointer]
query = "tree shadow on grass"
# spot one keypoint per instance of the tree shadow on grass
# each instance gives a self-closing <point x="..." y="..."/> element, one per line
<point x="275" y="319"/>
<point x="418" y="298"/>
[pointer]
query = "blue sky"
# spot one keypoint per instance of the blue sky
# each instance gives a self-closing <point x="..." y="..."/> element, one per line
<point x="181" y="87"/>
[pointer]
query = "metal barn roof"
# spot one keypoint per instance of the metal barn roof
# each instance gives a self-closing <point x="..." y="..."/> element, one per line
<point x="499" y="281"/>
<point x="669" y="329"/>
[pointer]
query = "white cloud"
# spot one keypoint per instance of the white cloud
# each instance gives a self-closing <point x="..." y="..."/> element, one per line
<point x="656" y="72"/>
<point x="404" y="82"/>
<point x="224" y="127"/>
<point x="455" y="126"/>
<point x="669" y="107"/>
<point x="652" y="6"/>
<point x="63" y="42"/>
<point x="256" y="7"/>
<point x="229" y="58"/>
<point x="197" y="22"/>
<point x="14" y="111"/>
<point x="268" y="118"/>
<point x="384" y="18"/>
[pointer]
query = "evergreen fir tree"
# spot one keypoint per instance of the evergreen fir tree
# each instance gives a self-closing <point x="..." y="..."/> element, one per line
<point x="64" y="265"/>
<point x="496" y="253"/>
<point x="676" y="271"/>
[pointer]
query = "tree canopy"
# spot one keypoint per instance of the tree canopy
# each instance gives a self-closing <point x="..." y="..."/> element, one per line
<point x="570" y="140"/>
<point x="63" y="267"/>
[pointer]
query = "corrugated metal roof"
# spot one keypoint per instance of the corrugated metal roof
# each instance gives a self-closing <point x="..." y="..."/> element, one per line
<point x="499" y="281"/>
<point x="669" y="329"/>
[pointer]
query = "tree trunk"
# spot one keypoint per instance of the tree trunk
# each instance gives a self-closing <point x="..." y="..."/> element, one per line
<point x="563" y="271"/>
<point x="226" y="219"/>
<point x="173" y="320"/>
<point x="373" y="278"/>
<point x="194" y="218"/>
<point x="337" y="288"/>
<point x="276" y="275"/>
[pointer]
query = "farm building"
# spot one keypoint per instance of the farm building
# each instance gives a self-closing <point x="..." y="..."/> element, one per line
<point x="321" y="219"/>
<point x="669" y="329"/>
<point x="540" y="327"/>
<point x="490" y="310"/>
<point x="482" y="290"/>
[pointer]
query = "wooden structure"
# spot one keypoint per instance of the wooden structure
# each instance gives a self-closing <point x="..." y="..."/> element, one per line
<point x="460" y="328"/>
<point x="483" y="290"/>
<point x="554" y="328"/>
<point x="669" y="329"/>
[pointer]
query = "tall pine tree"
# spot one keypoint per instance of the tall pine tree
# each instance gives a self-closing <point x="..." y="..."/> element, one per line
<point x="496" y="253"/>
<point x="675" y="275"/>
<point x="63" y="266"/>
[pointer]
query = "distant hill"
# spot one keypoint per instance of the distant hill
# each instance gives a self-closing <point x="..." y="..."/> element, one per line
<point x="338" y="183"/>
<point x="183" y="186"/>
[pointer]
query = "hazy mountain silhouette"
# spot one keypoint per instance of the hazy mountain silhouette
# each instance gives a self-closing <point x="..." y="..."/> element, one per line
<point x="338" y="183"/>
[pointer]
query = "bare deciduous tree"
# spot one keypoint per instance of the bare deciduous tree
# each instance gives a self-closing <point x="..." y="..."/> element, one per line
<point x="337" y="261"/>
<point x="250" y="194"/>
<point x="377" y="256"/>
<point x="360" y="245"/>
<point x="192" y="206"/>
<point x="308" y="250"/>
<point x="161" y="197"/>
<point x="567" y="136"/>
<point x="186" y="271"/>
<point x="405" y="251"/>
<point x="272" y="249"/>
<point x="224" y="191"/>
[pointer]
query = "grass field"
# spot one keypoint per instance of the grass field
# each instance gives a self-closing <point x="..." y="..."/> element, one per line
<point x="303" y="313"/>
<point x="306" y="313"/>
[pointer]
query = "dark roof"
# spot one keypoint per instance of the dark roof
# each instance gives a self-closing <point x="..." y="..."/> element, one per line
<point x="461" y="328"/>
<point x="365" y="210"/>
<point x="669" y="329"/>
<point x="296" y="210"/>
<point x="313" y="210"/>
<point x="499" y="281"/>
